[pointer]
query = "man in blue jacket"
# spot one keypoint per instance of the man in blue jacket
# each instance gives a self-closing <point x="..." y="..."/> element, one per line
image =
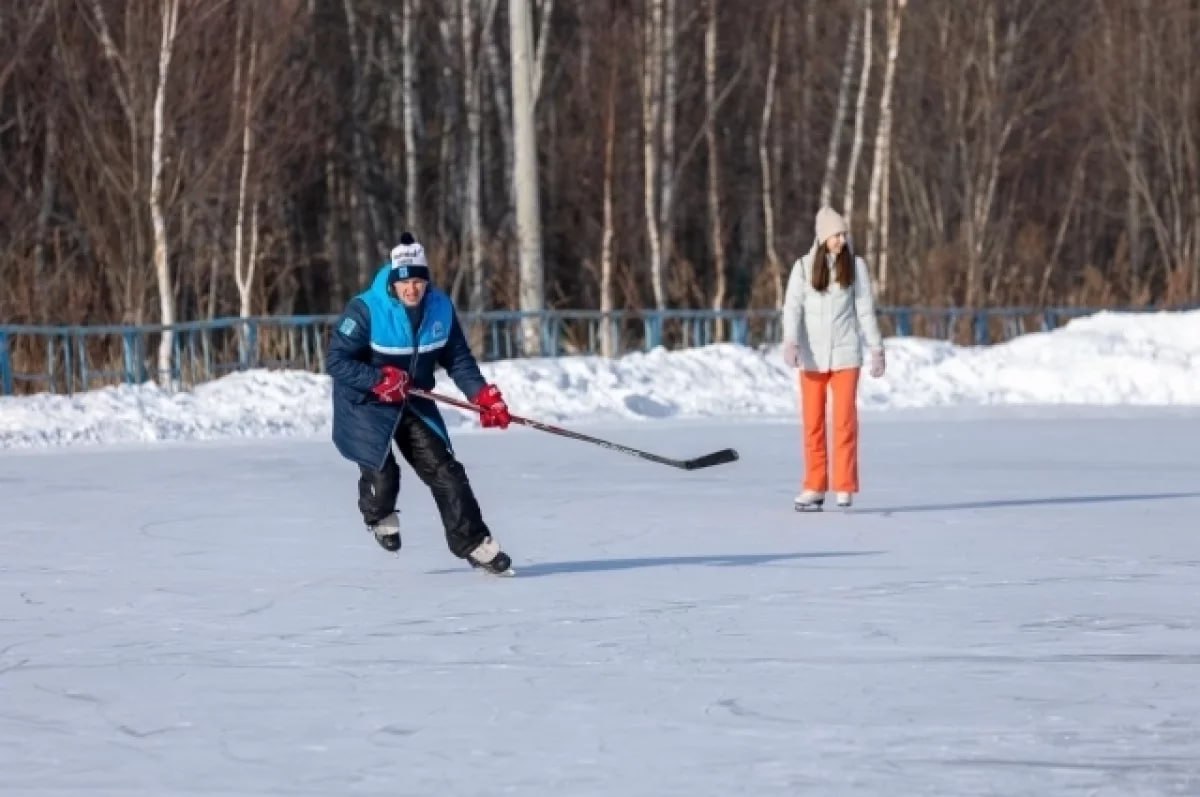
<point x="391" y="336"/>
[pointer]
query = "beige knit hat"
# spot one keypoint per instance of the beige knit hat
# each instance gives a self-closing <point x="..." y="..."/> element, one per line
<point x="830" y="222"/>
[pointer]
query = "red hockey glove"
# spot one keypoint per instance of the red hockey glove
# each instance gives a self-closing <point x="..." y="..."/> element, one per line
<point x="392" y="387"/>
<point x="495" y="411"/>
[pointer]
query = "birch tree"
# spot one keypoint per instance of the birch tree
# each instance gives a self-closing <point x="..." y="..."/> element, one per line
<point x="668" y="66"/>
<point x="608" y="343"/>
<point x="652" y="114"/>
<point x="860" y="112"/>
<point x="529" y="223"/>
<point x="716" y="224"/>
<point x="162" y="252"/>
<point x="765" y="164"/>
<point x="881" y="165"/>
<point x="839" y="116"/>
<point x="243" y="93"/>
<point x="409" y="103"/>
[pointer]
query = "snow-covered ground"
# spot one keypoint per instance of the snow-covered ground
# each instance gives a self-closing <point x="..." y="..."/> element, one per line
<point x="1010" y="609"/>
<point x="1108" y="359"/>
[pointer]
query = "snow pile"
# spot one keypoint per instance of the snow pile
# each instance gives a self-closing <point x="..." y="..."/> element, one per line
<point x="1106" y="359"/>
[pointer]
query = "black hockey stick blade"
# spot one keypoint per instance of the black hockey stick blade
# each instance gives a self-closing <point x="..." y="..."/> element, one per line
<point x="707" y="461"/>
<point x="722" y="457"/>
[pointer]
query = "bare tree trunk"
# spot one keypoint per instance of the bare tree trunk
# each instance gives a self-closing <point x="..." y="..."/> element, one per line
<point x="243" y="270"/>
<point x="885" y="207"/>
<point x="715" y="223"/>
<point x="860" y="113"/>
<point x="608" y="344"/>
<point x="651" y="124"/>
<point x="883" y="140"/>
<point x="473" y="232"/>
<point x="408" y="71"/>
<point x="806" y="93"/>
<point x="666" y="186"/>
<point x="45" y="208"/>
<point x="366" y="219"/>
<point x="546" y="11"/>
<point x="500" y="99"/>
<point x="839" y="117"/>
<point x="451" y="194"/>
<point x="1133" y="221"/>
<point x="162" y="265"/>
<point x="764" y="162"/>
<point x="529" y="223"/>
<point x="1060" y="238"/>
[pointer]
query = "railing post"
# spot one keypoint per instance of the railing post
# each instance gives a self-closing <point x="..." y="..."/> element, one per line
<point x="654" y="323"/>
<point x="981" y="328"/>
<point x="6" y="375"/>
<point x="177" y="360"/>
<point x="740" y="327"/>
<point x="253" y="344"/>
<point x="68" y="365"/>
<point x="549" y="335"/>
<point x="129" y="354"/>
<point x="250" y="343"/>
<point x="81" y="345"/>
<point x="903" y="323"/>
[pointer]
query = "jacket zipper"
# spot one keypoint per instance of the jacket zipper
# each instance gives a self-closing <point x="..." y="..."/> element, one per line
<point x="412" y="366"/>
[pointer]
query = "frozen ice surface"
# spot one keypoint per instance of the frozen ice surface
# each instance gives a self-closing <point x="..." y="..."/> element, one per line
<point x="1010" y="609"/>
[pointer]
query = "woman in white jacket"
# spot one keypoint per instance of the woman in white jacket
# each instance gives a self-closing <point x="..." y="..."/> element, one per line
<point x="828" y="317"/>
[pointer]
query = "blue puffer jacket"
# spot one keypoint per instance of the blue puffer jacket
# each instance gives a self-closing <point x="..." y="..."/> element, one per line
<point x="375" y="331"/>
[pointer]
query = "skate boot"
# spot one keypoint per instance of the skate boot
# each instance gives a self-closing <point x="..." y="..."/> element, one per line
<point x="844" y="500"/>
<point x="810" y="501"/>
<point x="387" y="532"/>
<point x="487" y="556"/>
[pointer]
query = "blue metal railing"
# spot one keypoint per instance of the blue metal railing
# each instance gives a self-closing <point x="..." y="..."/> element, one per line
<point x="68" y="359"/>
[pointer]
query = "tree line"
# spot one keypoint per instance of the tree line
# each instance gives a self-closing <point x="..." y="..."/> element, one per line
<point x="166" y="160"/>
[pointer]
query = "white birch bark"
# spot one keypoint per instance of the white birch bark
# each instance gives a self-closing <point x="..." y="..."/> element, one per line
<point x="162" y="265"/>
<point x="839" y="116"/>
<point x="243" y="266"/>
<point x="860" y="113"/>
<point x="408" y="72"/>
<point x="764" y="162"/>
<point x="608" y="344"/>
<point x="651" y="123"/>
<point x="666" y="164"/>
<point x="883" y="140"/>
<point x="531" y="286"/>
<point x="473" y="211"/>
<point x="715" y="222"/>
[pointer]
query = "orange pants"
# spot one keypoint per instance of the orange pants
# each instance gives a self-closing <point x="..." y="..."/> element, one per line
<point x="814" y="387"/>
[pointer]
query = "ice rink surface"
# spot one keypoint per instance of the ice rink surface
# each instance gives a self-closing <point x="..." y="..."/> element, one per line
<point x="1012" y="608"/>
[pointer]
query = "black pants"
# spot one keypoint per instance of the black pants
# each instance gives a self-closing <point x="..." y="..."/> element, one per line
<point x="430" y="457"/>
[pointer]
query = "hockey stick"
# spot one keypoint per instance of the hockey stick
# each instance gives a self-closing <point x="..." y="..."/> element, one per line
<point x="721" y="457"/>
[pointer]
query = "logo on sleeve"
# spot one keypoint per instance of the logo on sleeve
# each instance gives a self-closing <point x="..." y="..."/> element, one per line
<point x="348" y="326"/>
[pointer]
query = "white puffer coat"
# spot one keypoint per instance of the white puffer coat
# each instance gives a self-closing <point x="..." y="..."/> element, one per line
<point x="831" y="326"/>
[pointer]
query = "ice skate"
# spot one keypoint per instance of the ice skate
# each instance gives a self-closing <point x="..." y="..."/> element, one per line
<point x="488" y="557"/>
<point x="387" y="532"/>
<point x="810" y="501"/>
<point x="844" y="500"/>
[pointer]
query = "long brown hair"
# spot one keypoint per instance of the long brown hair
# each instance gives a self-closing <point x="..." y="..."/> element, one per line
<point x="820" y="267"/>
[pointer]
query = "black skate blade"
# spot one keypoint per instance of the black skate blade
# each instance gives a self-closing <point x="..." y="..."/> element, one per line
<point x="808" y="508"/>
<point x="722" y="457"/>
<point x="500" y="566"/>
<point x="389" y="542"/>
